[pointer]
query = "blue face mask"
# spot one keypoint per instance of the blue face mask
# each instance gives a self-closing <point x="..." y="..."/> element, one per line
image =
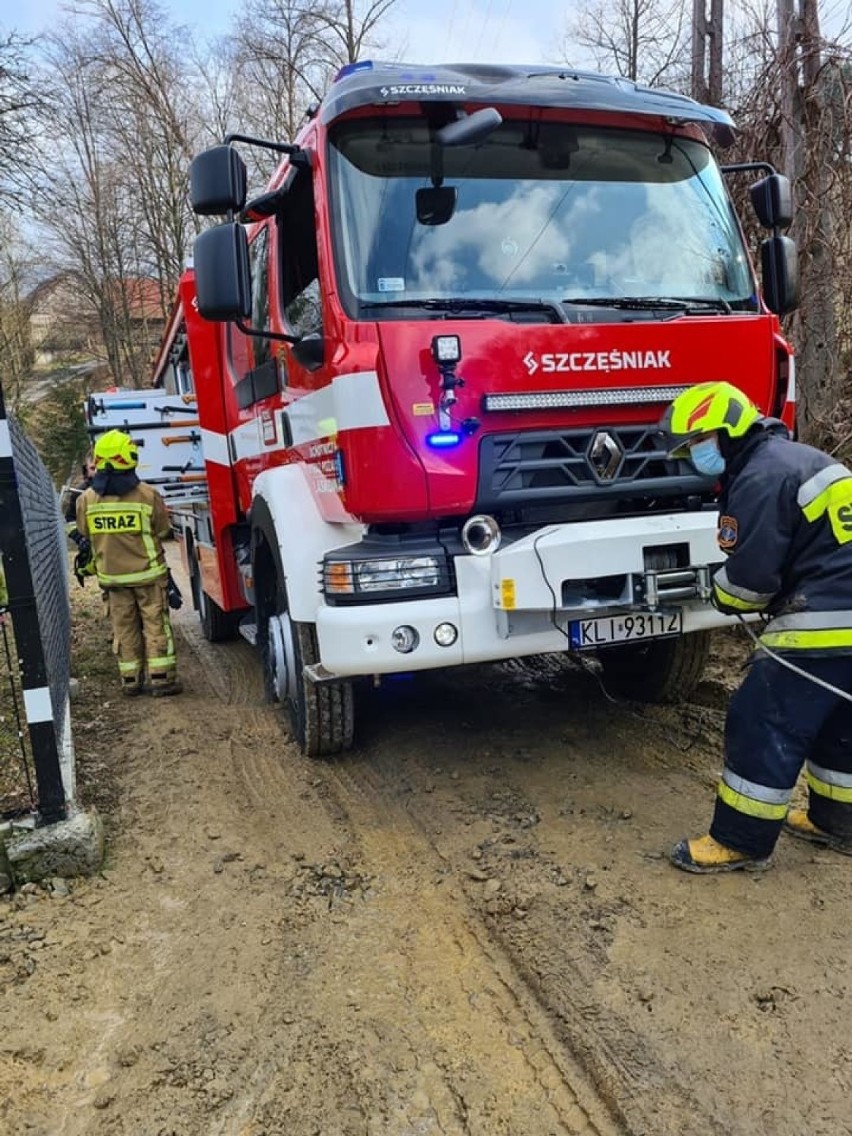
<point x="706" y="458"/>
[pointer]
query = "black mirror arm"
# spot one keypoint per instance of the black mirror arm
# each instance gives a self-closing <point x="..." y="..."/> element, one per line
<point x="265" y="205"/>
<point x="265" y="143"/>
<point x="278" y="336"/>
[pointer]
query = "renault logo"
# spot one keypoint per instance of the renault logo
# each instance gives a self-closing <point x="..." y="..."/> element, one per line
<point x="605" y="456"/>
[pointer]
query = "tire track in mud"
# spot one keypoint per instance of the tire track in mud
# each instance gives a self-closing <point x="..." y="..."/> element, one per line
<point x="423" y="956"/>
<point x="230" y="669"/>
<point x="469" y="1050"/>
<point x="641" y="1088"/>
<point x="462" y="994"/>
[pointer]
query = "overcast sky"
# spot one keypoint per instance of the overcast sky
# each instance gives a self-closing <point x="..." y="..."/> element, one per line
<point x="418" y="31"/>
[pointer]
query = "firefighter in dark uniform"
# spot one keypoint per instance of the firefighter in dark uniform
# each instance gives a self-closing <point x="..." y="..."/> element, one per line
<point x="125" y="521"/>
<point x="785" y="523"/>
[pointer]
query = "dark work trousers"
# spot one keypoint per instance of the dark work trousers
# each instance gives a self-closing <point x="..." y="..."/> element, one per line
<point x="777" y="723"/>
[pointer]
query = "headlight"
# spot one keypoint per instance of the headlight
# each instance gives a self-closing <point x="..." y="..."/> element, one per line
<point x="379" y="575"/>
<point x="372" y="579"/>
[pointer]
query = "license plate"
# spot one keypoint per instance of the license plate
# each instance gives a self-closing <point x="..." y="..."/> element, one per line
<point x="605" y="629"/>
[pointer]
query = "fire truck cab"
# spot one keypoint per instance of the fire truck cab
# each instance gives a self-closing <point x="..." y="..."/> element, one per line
<point x="428" y="361"/>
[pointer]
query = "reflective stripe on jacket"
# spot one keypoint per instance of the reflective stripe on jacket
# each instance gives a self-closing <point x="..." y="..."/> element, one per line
<point x="786" y="525"/>
<point x="126" y="534"/>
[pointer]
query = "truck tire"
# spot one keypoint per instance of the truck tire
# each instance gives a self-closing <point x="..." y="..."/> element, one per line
<point x="216" y="625"/>
<point x="662" y="670"/>
<point x="321" y="716"/>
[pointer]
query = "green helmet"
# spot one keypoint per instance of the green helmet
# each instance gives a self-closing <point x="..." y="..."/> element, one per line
<point x="705" y="408"/>
<point x="116" y="450"/>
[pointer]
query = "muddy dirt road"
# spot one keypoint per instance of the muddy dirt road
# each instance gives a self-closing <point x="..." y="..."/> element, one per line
<point x="468" y="926"/>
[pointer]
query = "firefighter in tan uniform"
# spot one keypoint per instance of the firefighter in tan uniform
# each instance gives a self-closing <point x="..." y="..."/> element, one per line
<point x="126" y="520"/>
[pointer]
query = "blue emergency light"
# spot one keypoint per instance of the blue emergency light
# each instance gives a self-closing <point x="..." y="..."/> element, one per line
<point x="443" y="439"/>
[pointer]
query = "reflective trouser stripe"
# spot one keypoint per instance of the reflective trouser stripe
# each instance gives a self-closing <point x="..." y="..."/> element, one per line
<point x="752" y="807"/>
<point x="831" y="776"/>
<point x="141" y="626"/>
<point x="168" y="661"/>
<point x="832" y="791"/>
<point x="162" y="662"/>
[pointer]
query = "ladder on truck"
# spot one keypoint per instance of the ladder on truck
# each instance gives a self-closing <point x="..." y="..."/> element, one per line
<point x="166" y="431"/>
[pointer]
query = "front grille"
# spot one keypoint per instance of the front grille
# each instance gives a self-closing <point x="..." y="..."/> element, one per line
<point x="580" y="465"/>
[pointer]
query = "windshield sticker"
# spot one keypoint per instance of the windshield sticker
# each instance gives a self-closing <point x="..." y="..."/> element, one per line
<point x="420" y="89"/>
<point x="391" y="283"/>
<point x="597" y="361"/>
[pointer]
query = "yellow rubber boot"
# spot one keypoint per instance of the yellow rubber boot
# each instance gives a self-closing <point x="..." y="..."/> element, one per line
<point x="705" y="855"/>
<point x="799" y="824"/>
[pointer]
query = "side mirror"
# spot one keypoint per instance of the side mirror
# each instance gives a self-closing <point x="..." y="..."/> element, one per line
<point x="217" y="182"/>
<point x="772" y="199"/>
<point x="435" y="205"/>
<point x="780" y="265"/>
<point x="222" y="277"/>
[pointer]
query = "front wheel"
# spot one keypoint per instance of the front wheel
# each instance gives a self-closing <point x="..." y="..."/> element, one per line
<point x="321" y="716"/>
<point x="661" y="670"/>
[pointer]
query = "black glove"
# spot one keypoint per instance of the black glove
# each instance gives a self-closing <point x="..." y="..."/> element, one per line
<point x="173" y="594"/>
<point x="84" y="562"/>
<point x="84" y="545"/>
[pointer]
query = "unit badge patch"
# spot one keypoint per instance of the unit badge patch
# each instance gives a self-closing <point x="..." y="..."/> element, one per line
<point x="727" y="533"/>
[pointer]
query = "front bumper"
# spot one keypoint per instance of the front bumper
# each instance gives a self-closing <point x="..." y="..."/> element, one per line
<point x="519" y="600"/>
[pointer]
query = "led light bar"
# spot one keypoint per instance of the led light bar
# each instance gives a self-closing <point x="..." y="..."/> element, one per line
<point x="443" y="439"/>
<point x="608" y="396"/>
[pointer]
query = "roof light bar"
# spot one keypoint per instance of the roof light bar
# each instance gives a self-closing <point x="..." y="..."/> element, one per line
<point x="575" y="399"/>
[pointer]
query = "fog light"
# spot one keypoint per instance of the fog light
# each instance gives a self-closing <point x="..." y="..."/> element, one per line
<point x="446" y="634"/>
<point x="404" y="639"/>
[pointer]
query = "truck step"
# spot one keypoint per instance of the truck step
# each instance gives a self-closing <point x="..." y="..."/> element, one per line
<point x="249" y="632"/>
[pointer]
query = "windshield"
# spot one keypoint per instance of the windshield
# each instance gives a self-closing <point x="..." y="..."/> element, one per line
<point x="538" y="211"/>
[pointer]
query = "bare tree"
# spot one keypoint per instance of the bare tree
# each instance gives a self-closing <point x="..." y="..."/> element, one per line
<point x="93" y="233"/>
<point x="349" y="27"/>
<point x="646" y="40"/>
<point x="123" y="130"/>
<point x="16" y="278"/>
<point x="278" y="66"/>
<point x="21" y="99"/>
<point x="285" y="54"/>
<point x="152" y="127"/>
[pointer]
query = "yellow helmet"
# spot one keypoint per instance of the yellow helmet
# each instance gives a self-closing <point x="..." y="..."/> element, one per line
<point x="115" y="450"/>
<point x="704" y="408"/>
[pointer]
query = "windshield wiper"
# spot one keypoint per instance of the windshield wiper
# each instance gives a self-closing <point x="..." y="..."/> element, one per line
<point x="472" y="307"/>
<point x="683" y="305"/>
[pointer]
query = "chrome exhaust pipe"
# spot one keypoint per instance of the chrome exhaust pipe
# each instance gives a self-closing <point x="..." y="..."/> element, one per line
<point x="481" y="535"/>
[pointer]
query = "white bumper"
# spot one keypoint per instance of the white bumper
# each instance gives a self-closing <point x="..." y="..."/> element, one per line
<point x="507" y="602"/>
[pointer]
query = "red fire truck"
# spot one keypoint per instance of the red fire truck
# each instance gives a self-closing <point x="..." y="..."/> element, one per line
<point x="427" y="363"/>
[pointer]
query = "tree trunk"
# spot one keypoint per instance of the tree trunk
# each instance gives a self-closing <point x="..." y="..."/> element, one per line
<point x="806" y="138"/>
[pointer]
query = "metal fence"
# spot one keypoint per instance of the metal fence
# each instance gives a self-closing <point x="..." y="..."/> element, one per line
<point x="33" y="544"/>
